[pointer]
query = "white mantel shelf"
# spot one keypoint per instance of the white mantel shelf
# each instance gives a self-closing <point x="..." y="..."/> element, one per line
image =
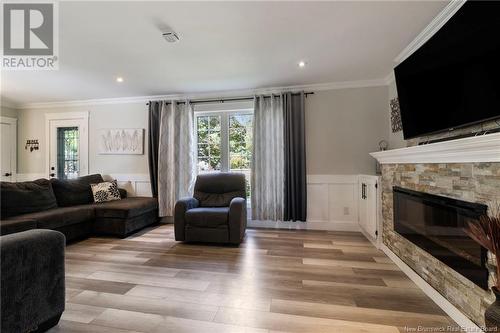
<point x="484" y="148"/>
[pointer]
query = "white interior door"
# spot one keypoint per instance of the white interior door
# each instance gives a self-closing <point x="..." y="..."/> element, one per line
<point x="8" y="133"/>
<point x="68" y="147"/>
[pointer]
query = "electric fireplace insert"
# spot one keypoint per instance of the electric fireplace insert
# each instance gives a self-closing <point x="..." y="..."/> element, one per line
<point x="438" y="225"/>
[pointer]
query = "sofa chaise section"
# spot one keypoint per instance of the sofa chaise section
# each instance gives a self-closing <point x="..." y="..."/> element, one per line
<point x="123" y="217"/>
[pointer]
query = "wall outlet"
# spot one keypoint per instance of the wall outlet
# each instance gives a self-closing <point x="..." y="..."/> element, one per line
<point x="346" y="210"/>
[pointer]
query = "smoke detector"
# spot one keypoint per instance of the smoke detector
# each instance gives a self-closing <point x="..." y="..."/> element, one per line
<point x="171" y="37"/>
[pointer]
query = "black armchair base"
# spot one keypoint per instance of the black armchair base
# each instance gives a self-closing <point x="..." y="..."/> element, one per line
<point x="213" y="235"/>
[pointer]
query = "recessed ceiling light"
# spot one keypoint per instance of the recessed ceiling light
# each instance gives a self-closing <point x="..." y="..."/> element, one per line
<point x="302" y="64"/>
<point x="119" y="79"/>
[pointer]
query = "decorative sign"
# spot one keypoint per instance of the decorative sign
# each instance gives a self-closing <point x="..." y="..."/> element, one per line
<point x="121" y="141"/>
<point x="396" y="123"/>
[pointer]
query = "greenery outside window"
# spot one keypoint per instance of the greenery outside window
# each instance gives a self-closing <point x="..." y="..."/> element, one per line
<point x="224" y="142"/>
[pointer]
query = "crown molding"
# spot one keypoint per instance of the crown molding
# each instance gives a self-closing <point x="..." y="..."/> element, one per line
<point x="208" y="95"/>
<point x="9" y="104"/>
<point x="431" y="29"/>
<point x="390" y="78"/>
<point x="484" y="148"/>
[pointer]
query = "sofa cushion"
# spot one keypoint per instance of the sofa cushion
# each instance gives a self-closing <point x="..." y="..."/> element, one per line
<point x="207" y="217"/>
<point x="16" y="224"/>
<point x="75" y="191"/>
<point x="62" y="216"/>
<point x="125" y="208"/>
<point x="219" y="188"/>
<point x="26" y="197"/>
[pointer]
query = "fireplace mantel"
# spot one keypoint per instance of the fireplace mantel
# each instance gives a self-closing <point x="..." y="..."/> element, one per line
<point x="484" y="148"/>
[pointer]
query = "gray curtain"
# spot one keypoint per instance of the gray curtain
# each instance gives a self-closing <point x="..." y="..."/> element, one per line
<point x="267" y="159"/>
<point x="176" y="167"/>
<point x="153" y="140"/>
<point x="295" y="182"/>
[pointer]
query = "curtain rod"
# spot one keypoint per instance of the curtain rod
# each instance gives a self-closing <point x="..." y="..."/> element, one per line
<point x="235" y="99"/>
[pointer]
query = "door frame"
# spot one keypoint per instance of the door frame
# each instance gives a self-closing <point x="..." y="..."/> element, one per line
<point x="84" y="138"/>
<point x="13" y="153"/>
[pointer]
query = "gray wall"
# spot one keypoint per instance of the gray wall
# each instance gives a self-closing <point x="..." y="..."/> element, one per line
<point x="342" y="127"/>
<point x="8" y="112"/>
<point x="31" y="125"/>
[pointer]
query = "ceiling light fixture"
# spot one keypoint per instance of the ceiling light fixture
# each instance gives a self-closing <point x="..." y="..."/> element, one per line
<point x="119" y="79"/>
<point x="302" y="64"/>
<point x="171" y="37"/>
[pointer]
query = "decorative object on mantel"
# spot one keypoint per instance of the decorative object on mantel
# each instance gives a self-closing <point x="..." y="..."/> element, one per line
<point x="487" y="233"/>
<point x="382" y="145"/>
<point x="32" y="145"/>
<point x="124" y="141"/>
<point x="396" y="123"/>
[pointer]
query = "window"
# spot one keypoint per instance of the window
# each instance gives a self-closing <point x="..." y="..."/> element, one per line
<point x="68" y="162"/>
<point x="224" y="142"/>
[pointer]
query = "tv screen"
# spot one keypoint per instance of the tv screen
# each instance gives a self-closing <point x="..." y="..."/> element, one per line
<point x="453" y="80"/>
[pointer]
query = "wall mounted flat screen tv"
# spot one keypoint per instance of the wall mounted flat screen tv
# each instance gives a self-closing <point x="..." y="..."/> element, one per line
<point x="453" y="80"/>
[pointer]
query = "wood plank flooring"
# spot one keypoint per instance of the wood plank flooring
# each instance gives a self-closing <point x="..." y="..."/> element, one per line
<point x="276" y="281"/>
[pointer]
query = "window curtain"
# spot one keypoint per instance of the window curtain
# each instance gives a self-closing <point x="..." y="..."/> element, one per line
<point x="153" y="140"/>
<point x="295" y="182"/>
<point x="176" y="166"/>
<point x="267" y="159"/>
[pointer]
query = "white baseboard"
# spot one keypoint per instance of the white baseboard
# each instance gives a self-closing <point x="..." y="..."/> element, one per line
<point x="375" y="241"/>
<point x="309" y="225"/>
<point x="465" y="323"/>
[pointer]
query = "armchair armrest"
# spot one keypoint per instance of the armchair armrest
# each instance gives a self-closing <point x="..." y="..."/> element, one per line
<point x="181" y="207"/>
<point x="237" y="220"/>
<point x="33" y="289"/>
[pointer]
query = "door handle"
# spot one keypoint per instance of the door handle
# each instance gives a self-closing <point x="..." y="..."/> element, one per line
<point x="7" y="174"/>
<point x="52" y="175"/>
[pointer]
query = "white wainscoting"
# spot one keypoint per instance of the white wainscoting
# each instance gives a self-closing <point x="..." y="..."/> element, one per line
<point x="137" y="184"/>
<point x="332" y="204"/>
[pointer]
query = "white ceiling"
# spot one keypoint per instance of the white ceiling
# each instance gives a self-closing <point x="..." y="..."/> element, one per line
<point x="224" y="46"/>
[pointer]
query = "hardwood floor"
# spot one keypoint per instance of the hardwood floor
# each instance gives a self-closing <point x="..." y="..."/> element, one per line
<point x="276" y="281"/>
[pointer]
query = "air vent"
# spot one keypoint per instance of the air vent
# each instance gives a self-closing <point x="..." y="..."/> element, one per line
<point x="171" y="37"/>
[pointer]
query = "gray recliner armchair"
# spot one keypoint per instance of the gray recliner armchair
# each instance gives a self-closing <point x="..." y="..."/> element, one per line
<point x="217" y="212"/>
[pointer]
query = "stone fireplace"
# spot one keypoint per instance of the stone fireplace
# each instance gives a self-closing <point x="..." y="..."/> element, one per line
<point x="466" y="169"/>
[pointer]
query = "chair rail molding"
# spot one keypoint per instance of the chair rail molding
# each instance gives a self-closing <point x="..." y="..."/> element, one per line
<point x="484" y="148"/>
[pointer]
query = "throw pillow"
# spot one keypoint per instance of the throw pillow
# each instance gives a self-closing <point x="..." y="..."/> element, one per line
<point x="105" y="191"/>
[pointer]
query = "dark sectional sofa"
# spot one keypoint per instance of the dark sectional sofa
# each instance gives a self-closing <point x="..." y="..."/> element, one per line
<point x="68" y="206"/>
<point x="32" y="259"/>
